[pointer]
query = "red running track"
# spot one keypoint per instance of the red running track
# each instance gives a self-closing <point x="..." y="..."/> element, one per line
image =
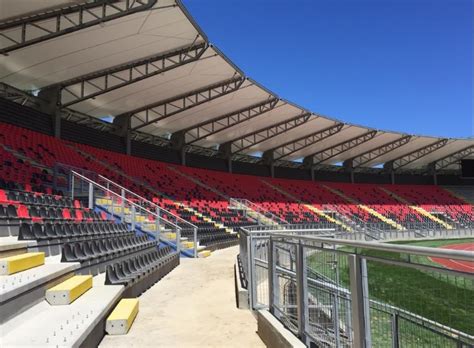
<point x="463" y="266"/>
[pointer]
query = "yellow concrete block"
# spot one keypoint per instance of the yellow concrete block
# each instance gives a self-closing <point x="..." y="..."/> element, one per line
<point x="122" y="317"/>
<point x="69" y="290"/>
<point x="22" y="262"/>
<point x="204" y="253"/>
<point x="187" y="245"/>
<point x="169" y="235"/>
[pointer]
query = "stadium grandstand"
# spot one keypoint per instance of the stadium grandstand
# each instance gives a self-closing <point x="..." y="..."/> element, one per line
<point x="147" y="185"/>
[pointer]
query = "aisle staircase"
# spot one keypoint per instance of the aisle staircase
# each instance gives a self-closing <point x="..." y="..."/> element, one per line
<point x="147" y="186"/>
<point x="256" y="212"/>
<point x="463" y="193"/>
<point x="371" y="211"/>
<point x="309" y="206"/>
<point x="418" y="209"/>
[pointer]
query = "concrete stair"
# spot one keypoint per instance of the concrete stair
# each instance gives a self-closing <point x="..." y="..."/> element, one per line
<point x="80" y="323"/>
<point x="371" y="211"/>
<point x="418" y="209"/>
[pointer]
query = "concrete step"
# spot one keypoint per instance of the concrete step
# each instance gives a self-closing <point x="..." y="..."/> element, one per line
<point x="122" y="317"/>
<point x="22" y="290"/>
<point x="22" y="262"/>
<point x="10" y="246"/>
<point x="79" y="324"/>
<point x="68" y="291"/>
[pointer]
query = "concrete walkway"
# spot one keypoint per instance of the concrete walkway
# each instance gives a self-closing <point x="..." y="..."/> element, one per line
<point x="193" y="306"/>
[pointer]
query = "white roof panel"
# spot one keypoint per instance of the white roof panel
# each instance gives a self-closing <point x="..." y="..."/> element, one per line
<point x="168" y="27"/>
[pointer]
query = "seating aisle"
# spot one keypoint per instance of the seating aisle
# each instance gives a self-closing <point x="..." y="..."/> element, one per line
<point x="194" y="306"/>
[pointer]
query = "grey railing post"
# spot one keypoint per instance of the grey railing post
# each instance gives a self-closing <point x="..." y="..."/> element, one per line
<point x="123" y="205"/>
<point x="178" y="240"/>
<point x="133" y="217"/>
<point x="72" y="185"/>
<point x="91" y="196"/>
<point x="395" y="331"/>
<point x="113" y="208"/>
<point x="360" y="301"/>
<point x="195" y="231"/>
<point x="249" y="274"/>
<point x="271" y="277"/>
<point x="157" y="223"/>
<point x="302" y="292"/>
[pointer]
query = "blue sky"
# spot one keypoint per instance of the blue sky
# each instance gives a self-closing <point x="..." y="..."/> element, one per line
<point x="403" y="65"/>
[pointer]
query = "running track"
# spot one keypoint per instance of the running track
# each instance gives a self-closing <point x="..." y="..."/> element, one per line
<point x="463" y="266"/>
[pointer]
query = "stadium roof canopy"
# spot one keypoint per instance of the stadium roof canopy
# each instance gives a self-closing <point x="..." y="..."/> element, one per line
<point x="148" y="65"/>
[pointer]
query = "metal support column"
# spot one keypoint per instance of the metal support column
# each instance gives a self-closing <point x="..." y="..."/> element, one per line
<point x="72" y="185"/>
<point x="360" y="301"/>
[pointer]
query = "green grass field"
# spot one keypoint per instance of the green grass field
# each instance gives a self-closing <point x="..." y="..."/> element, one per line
<point x="448" y="300"/>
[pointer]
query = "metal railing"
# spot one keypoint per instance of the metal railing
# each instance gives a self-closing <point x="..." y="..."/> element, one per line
<point x="119" y="206"/>
<point x="263" y="216"/>
<point x="334" y="292"/>
<point x="147" y="203"/>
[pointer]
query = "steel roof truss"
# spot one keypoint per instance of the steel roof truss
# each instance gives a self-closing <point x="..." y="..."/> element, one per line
<point x="417" y="154"/>
<point x="252" y="139"/>
<point x="337" y="149"/>
<point x="454" y="157"/>
<point x="221" y="123"/>
<point x="42" y="26"/>
<point x="379" y="151"/>
<point x="158" y="111"/>
<point x="92" y="85"/>
<point x="306" y="141"/>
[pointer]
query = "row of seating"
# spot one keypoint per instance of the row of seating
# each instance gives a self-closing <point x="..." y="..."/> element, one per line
<point x="48" y="231"/>
<point x="140" y="272"/>
<point x="97" y="248"/>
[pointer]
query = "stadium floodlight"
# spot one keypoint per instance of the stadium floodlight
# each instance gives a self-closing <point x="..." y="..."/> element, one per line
<point x="45" y="25"/>
<point x="163" y="109"/>
<point x="248" y="140"/>
<point x="92" y="85"/>
<point x="454" y="157"/>
<point x="303" y="142"/>
<point x="413" y="156"/>
<point x="335" y="150"/>
<point x="221" y="123"/>
<point x="372" y="154"/>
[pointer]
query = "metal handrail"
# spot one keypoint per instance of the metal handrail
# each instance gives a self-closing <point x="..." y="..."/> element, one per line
<point x="178" y="228"/>
<point x="148" y="201"/>
<point x="395" y="248"/>
<point x="258" y="209"/>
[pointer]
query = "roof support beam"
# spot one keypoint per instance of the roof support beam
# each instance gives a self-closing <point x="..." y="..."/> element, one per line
<point x="107" y="80"/>
<point x="247" y="141"/>
<point x="216" y="125"/>
<point x="46" y="25"/>
<point x="453" y="158"/>
<point x="308" y="140"/>
<point x="415" y="155"/>
<point x="163" y="109"/>
<point x="335" y="150"/>
<point x="372" y="154"/>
